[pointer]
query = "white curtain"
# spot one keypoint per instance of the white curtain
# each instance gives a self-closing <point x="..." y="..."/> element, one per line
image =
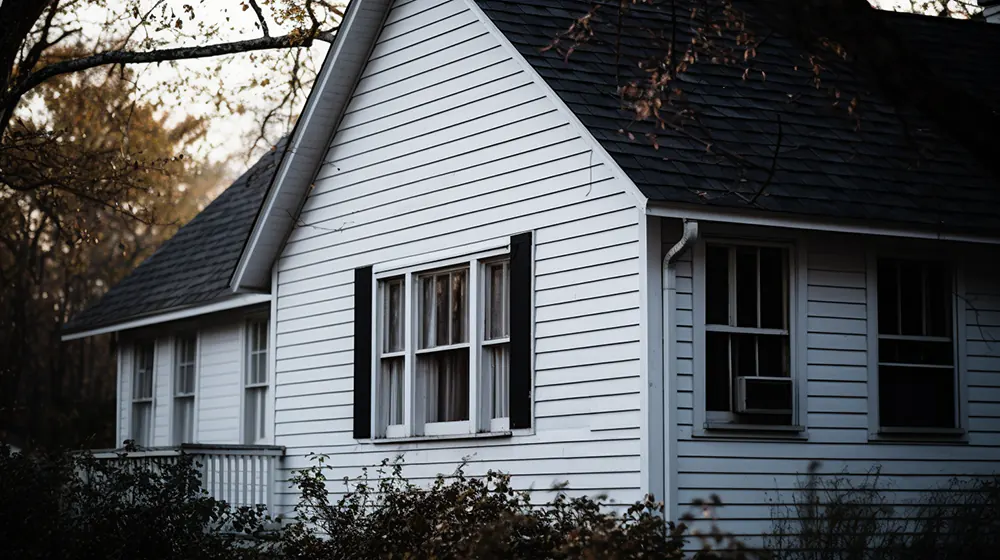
<point x="446" y="378"/>
<point x="499" y="366"/>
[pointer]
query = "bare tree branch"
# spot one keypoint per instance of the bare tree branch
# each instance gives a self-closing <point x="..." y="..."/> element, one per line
<point x="260" y="17"/>
<point x="33" y="80"/>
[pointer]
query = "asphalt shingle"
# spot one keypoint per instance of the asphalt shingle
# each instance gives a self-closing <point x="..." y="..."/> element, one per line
<point x="194" y="266"/>
<point x="883" y="163"/>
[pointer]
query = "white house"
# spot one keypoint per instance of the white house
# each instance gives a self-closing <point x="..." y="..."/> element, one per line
<point x="458" y="255"/>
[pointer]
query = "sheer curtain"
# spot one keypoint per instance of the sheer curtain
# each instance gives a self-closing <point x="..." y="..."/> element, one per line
<point x="446" y="375"/>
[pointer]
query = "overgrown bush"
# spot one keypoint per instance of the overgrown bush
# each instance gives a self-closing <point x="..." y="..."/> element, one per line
<point x="467" y="517"/>
<point x="60" y="505"/>
<point x="832" y="518"/>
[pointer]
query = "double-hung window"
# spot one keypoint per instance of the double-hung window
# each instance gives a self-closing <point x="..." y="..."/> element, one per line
<point x="446" y="351"/>
<point x="185" y="363"/>
<point x="747" y="335"/>
<point x="255" y="383"/>
<point x="443" y="360"/>
<point x="142" y="394"/>
<point x="917" y="381"/>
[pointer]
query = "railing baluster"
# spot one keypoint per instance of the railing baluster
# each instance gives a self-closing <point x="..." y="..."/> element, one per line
<point x="253" y="481"/>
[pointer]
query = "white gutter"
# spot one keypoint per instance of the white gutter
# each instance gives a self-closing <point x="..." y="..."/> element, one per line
<point x="811" y="223"/>
<point x="243" y="300"/>
<point x="687" y="240"/>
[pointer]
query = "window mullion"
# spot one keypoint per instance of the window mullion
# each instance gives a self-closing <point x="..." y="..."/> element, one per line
<point x="410" y="404"/>
<point x="473" y="291"/>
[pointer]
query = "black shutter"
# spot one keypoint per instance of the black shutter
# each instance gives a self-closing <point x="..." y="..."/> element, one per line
<point x="363" y="353"/>
<point x="520" y="330"/>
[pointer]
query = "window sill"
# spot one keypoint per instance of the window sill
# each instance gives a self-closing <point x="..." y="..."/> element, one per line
<point x="752" y="431"/>
<point x="443" y="437"/>
<point x="919" y="435"/>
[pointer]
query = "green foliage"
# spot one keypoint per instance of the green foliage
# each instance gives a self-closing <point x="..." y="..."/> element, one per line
<point x="77" y="507"/>
<point x="835" y="518"/>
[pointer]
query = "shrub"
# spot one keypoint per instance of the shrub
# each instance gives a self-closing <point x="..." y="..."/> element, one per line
<point x="60" y="505"/>
<point x="465" y="517"/>
<point x="831" y="518"/>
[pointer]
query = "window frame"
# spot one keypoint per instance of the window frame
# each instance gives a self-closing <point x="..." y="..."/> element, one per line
<point x="413" y="427"/>
<point x="726" y="424"/>
<point x="174" y="379"/>
<point x="150" y="401"/>
<point x="877" y="432"/>
<point x="266" y="386"/>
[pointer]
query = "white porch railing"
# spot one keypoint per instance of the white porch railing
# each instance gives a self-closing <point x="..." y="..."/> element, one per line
<point x="240" y="475"/>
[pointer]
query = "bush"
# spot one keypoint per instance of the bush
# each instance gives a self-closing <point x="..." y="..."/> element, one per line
<point x="60" y="505"/>
<point x="831" y="518"/>
<point x="465" y="517"/>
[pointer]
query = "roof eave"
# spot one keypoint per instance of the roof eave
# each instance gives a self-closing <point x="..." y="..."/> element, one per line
<point x="168" y="315"/>
<point x="304" y="153"/>
<point x="814" y="223"/>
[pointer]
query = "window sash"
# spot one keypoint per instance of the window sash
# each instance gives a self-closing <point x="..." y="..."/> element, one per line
<point x="740" y="326"/>
<point x="443" y="309"/>
<point x="915" y="351"/>
<point x="184" y="419"/>
<point x="142" y="376"/>
<point x="257" y="366"/>
<point x="255" y="414"/>
<point x="142" y="423"/>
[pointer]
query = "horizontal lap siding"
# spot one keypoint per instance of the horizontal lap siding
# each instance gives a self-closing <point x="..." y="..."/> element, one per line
<point x="220" y="384"/>
<point x="162" y="395"/>
<point x="749" y="476"/>
<point x="447" y="142"/>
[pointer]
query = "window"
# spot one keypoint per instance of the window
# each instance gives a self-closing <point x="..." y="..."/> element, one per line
<point x="747" y="341"/>
<point x="458" y="359"/>
<point x="184" y="388"/>
<point x="916" y="350"/>
<point x="142" y="394"/>
<point x="255" y="384"/>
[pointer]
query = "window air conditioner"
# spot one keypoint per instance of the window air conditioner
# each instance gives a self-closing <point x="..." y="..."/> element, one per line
<point x="764" y="395"/>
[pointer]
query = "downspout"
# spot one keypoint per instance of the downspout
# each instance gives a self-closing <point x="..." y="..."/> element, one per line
<point x="687" y="240"/>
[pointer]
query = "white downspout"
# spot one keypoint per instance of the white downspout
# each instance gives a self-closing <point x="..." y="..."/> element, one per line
<point x="688" y="238"/>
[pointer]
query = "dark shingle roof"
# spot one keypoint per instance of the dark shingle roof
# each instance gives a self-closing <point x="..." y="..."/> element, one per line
<point x="194" y="266"/>
<point x="891" y="165"/>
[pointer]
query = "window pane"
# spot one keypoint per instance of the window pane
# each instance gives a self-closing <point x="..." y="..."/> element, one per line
<point x="773" y="288"/>
<point x="498" y="366"/>
<point x="445" y="382"/>
<point x="772" y="355"/>
<point x="427" y="313"/>
<point x="442" y="306"/>
<point x="459" y="313"/>
<point x="938" y="301"/>
<point x="915" y="352"/>
<point x="744" y="349"/>
<point x="392" y="391"/>
<point x="260" y="374"/>
<point x="183" y="420"/>
<point x="142" y="377"/>
<point x="716" y="285"/>
<point x="497" y="309"/>
<point x="911" y="278"/>
<point x="717" y="382"/>
<point x="394" y="317"/>
<point x="141" y="423"/>
<point x="746" y="287"/>
<point x="916" y="397"/>
<point x="888" y="297"/>
<point x="254" y="415"/>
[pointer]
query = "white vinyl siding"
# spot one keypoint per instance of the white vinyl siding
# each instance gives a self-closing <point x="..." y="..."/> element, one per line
<point x="749" y="474"/>
<point x="448" y="142"/>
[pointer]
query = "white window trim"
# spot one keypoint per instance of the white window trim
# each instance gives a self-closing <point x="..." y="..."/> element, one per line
<point x="172" y="380"/>
<point x="721" y="426"/>
<point x="151" y="430"/>
<point x="268" y="385"/>
<point x="876" y="433"/>
<point x="413" y="428"/>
